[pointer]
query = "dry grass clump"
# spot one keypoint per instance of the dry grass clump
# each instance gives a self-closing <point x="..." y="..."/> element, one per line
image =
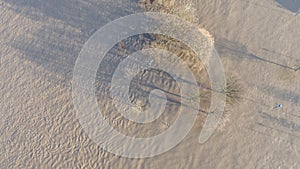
<point x="168" y="6"/>
<point x="186" y="12"/>
<point x="233" y="90"/>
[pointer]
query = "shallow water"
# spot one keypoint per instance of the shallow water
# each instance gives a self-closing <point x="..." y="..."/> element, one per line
<point x="292" y="5"/>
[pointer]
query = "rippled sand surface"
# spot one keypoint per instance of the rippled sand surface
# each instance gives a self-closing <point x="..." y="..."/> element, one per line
<point x="40" y="41"/>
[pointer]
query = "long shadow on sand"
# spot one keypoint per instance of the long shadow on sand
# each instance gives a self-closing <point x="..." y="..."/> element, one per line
<point x="65" y="27"/>
<point x="239" y="50"/>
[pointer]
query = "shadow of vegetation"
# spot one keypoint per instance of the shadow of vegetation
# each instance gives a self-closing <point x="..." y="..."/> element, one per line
<point x="87" y="15"/>
<point x="281" y="94"/>
<point x="65" y="27"/>
<point x="281" y="121"/>
<point x="239" y="50"/>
